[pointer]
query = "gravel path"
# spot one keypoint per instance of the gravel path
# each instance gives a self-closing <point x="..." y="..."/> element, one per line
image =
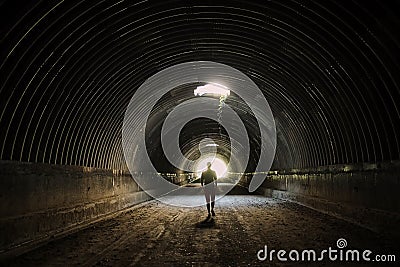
<point x="160" y="235"/>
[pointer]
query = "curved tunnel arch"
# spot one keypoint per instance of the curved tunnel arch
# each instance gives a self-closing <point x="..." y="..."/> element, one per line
<point x="328" y="69"/>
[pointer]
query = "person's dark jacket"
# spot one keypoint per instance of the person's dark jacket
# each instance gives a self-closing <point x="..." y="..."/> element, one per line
<point x="208" y="176"/>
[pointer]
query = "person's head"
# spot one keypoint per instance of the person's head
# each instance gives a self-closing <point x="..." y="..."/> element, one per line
<point x="208" y="165"/>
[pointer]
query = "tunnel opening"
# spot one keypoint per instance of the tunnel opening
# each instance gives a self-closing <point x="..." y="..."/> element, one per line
<point x="196" y="130"/>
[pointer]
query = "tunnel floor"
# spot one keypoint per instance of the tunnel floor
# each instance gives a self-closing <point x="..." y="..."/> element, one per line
<point x="155" y="234"/>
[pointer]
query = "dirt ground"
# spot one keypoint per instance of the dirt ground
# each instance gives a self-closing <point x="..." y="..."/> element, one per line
<point x="159" y="235"/>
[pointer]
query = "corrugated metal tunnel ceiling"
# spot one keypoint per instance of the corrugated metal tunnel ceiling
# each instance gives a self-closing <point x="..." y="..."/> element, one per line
<point x="329" y="70"/>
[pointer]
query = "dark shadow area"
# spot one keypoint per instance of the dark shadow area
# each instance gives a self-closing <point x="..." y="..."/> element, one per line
<point x="207" y="223"/>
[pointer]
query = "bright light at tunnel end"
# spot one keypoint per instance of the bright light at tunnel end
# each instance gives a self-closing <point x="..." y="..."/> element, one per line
<point x="229" y="79"/>
<point x="212" y="89"/>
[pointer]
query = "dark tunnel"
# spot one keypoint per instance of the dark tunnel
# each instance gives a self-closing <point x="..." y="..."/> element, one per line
<point x="329" y="71"/>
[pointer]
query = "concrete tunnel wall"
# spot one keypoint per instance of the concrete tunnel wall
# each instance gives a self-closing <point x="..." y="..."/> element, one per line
<point x="365" y="194"/>
<point x="38" y="201"/>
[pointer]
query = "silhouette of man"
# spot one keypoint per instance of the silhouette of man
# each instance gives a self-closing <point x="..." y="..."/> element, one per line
<point x="209" y="178"/>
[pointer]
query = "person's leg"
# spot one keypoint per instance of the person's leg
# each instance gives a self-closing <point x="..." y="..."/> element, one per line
<point x="212" y="200"/>
<point x="208" y="196"/>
